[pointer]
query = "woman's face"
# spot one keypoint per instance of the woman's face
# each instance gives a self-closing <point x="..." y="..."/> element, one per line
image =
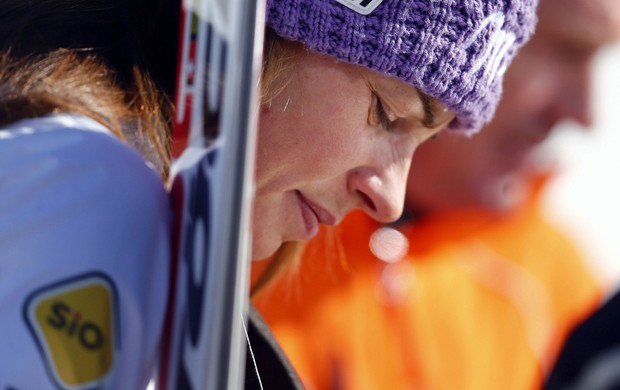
<point x="338" y="137"/>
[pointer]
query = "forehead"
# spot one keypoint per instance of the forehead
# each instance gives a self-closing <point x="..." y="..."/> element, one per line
<point x="586" y="22"/>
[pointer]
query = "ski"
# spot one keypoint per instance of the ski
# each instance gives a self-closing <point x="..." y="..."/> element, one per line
<point x="211" y="188"/>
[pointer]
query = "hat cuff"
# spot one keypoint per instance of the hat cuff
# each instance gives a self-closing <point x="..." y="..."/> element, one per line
<point x="459" y="60"/>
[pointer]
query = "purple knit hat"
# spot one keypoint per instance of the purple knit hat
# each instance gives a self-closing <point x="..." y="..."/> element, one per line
<point x="454" y="50"/>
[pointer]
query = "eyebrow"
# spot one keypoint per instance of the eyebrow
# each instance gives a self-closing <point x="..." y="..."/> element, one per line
<point x="429" y="115"/>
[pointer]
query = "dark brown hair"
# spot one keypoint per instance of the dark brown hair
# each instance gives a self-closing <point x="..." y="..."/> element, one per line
<point x="86" y="57"/>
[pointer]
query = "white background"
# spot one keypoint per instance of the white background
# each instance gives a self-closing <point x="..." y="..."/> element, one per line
<point x="585" y="197"/>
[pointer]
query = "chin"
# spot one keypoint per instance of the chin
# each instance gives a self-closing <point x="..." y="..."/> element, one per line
<point x="263" y="250"/>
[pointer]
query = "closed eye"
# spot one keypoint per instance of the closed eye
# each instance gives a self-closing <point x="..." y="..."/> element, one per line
<point x="382" y="115"/>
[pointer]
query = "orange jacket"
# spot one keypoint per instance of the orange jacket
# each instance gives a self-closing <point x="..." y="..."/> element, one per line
<point x="478" y="302"/>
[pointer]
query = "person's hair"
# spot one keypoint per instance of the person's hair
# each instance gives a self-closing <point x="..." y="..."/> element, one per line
<point x="60" y="81"/>
<point x="288" y="255"/>
<point x="286" y="262"/>
<point x="85" y="57"/>
<point x="280" y="58"/>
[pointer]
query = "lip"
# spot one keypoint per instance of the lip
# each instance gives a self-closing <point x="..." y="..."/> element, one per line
<point x="324" y="216"/>
<point x="313" y="215"/>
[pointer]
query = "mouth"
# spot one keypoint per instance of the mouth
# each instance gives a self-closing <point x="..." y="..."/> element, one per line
<point x="313" y="215"/>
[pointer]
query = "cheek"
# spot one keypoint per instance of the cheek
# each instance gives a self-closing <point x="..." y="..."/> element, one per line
<point x="307" y="143"/>
<point x="265" y="228"/>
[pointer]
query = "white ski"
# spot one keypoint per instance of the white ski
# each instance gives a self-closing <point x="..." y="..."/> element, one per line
<point x="212" y="188"/>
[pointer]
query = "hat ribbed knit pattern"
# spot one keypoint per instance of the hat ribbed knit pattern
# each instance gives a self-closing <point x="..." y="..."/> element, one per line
<point x="453" y="50"/>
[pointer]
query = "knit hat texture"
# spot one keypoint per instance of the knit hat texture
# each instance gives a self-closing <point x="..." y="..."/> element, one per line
<point x="453" y="50"/>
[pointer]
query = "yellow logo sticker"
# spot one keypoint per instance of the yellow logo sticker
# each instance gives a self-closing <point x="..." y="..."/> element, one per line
<point x="74" y="322"/>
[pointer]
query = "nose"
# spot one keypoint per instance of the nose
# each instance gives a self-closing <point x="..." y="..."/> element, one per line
<point x="381" y="193"/>
<point x="574" y="99"/>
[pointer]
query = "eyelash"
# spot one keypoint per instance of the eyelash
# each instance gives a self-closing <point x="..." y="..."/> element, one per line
<point x="384" y="119"/>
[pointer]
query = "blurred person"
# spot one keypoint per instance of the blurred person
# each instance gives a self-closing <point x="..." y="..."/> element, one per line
<point x="590" y="357"/>
<point x="477" y="289"/>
